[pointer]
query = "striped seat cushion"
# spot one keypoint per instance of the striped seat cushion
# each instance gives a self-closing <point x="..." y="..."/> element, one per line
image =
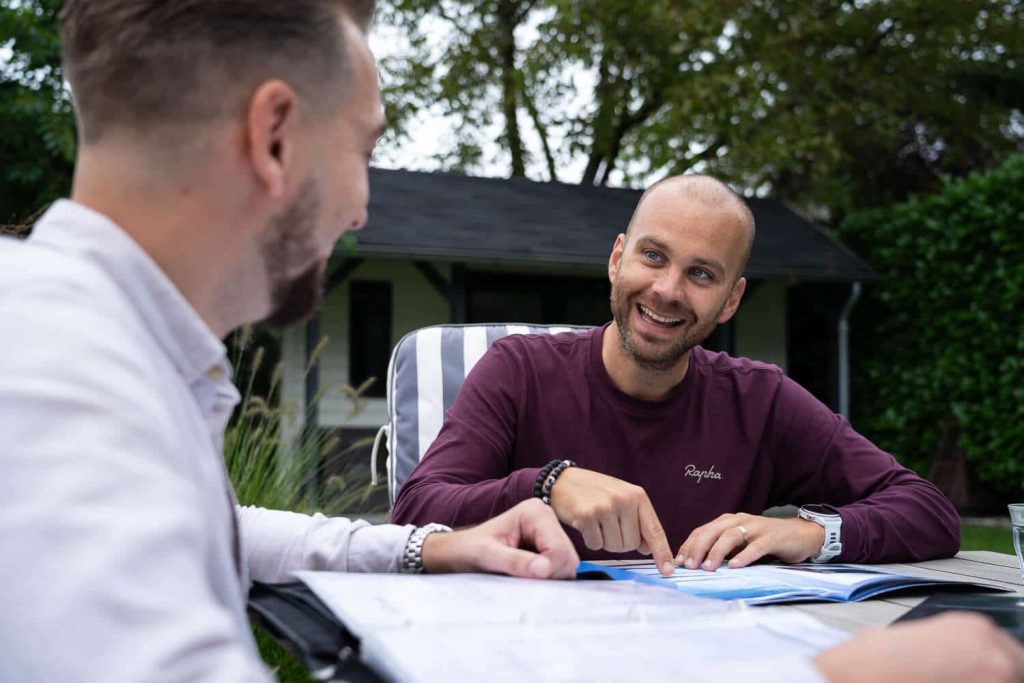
<point x="427" y="369"/>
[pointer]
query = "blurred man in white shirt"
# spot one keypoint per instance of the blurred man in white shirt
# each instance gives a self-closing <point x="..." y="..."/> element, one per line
<point x="223" y="149"/>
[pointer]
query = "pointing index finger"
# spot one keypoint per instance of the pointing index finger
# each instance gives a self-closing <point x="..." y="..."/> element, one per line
<point x="654" y="536"/>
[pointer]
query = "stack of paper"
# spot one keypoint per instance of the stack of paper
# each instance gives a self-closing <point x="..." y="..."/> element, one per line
<point x="480" y="627"/>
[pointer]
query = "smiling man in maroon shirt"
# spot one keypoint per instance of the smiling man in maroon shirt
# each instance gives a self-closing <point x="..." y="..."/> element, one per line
<point x="673" y="446"/>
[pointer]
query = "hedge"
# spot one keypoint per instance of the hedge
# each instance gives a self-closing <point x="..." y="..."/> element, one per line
<point x="941" y="335"/>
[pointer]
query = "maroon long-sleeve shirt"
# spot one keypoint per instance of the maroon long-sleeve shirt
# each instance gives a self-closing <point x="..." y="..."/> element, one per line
<point x="734" y="436"/>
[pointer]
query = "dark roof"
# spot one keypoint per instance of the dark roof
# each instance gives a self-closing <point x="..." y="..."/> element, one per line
<point x="459" y="218"/>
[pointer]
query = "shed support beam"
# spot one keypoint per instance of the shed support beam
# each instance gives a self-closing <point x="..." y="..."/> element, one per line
<point x="311" y="421"/>
<point x="454" y="292"/>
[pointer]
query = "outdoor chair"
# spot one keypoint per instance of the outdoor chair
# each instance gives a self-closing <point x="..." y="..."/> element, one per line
<point x="426" y="370"/>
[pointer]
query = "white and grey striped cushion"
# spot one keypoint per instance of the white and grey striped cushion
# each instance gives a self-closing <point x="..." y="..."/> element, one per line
<point x="426" y="370"/>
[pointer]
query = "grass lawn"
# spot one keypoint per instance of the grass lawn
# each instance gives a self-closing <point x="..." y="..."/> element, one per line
<point x="286" y="667"/>
<point x="985" y="538"/>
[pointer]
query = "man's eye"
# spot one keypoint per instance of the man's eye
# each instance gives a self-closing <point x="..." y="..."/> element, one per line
<point x="702" y="274"/>
<point x="651" y="255"/>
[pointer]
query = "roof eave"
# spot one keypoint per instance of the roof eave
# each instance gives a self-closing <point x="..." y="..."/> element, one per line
<point x="479" y="257"/>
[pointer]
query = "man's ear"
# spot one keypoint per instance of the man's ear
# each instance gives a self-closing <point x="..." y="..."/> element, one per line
<point x="272" y="126"/>
<point x="733" y="302"/>
<point x="616" y="257"/>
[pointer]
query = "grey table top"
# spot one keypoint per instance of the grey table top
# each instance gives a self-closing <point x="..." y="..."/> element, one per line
<point x="981" y="566"/>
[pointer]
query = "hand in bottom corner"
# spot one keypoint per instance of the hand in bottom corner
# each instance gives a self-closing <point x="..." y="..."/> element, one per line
<point x="954" y="647"/>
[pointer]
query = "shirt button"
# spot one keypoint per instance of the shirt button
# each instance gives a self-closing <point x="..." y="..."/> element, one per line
<point x="215" y="373"/>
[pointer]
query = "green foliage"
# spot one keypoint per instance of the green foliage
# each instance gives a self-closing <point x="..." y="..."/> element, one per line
<point x="941" y="336"/>
<point x="833" y="103"/>
<point x="37" y="147"/>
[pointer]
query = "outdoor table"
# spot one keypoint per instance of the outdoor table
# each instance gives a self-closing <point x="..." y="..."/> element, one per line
<point x="983" y="566"/>
<point x="998" y="569"/>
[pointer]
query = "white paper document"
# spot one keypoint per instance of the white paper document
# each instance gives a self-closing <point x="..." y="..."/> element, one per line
<point x="475" y="627"/>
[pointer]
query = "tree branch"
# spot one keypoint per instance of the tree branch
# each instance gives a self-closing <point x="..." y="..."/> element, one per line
<point x="602" y="94"/>
<point x="626" y="123"/>
<point x="704" y="155"/>
<point x="531" y="107"/>
<point x="509" y="85"/>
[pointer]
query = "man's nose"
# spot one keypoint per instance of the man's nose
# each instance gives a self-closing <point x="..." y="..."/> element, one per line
<point x="668" y="286"/>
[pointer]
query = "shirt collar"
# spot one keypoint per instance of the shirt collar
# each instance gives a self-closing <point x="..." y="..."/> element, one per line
<point x="72" y="228"/>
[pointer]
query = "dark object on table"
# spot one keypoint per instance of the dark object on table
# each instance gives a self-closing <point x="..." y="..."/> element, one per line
<point x="1006" y="610"/>
<point x="293" y="616"/>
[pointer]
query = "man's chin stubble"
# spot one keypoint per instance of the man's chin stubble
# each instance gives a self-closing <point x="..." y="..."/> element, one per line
<point x="657" y="363"/>
<point x="298" y="300"/>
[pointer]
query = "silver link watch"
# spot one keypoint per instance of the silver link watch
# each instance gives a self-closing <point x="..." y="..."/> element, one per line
<point x="830" y="521"/>
<point x="412" y="556"/>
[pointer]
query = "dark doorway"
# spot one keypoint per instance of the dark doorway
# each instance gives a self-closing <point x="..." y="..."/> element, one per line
<point x="812" y="317"/>
<point x="369" y="330"/>
<point x="536" y="299"/>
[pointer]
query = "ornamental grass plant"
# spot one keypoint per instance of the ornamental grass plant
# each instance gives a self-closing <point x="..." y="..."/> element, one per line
<point x="274" y="467"/>
<point x="271" y="467"/>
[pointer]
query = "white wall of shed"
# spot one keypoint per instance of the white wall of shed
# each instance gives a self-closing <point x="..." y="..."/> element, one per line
<point x="760" y="325"/>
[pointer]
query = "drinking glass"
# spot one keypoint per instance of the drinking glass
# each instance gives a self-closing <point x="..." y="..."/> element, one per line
<point x="1017" y="520"/>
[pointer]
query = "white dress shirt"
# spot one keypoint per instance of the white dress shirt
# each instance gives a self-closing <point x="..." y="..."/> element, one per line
<point x="117" y="525"/>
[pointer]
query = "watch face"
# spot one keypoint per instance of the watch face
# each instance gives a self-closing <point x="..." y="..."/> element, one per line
<point x="820" y="510"/>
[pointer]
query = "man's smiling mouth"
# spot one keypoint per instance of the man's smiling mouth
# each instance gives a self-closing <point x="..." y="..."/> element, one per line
<point x="651" y="316"/>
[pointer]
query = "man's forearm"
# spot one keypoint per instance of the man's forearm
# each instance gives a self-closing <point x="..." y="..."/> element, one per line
<point x="908" y="521"/>
<point x="278" y="543"/>
<point x="426" y="497"/>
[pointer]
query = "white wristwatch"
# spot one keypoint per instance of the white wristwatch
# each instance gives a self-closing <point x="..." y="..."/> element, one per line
<point x="828" y="520"/>
<point x="412" y="556"/>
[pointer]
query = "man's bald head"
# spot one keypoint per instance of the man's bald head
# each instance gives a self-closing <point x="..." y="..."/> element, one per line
<point x="710" y="192"/>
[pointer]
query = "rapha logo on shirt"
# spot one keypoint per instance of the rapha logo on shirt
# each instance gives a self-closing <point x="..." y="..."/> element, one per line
<point x="701" y="475"/>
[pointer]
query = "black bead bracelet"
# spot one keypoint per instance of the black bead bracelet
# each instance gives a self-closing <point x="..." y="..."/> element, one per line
<point x="548" y="481"/>
<point x="542" y="477"/>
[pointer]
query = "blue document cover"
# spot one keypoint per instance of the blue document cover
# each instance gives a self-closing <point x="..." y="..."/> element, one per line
<point x="766" y="584"/>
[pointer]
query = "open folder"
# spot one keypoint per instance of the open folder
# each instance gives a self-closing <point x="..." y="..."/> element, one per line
<point x="765" y="584"/>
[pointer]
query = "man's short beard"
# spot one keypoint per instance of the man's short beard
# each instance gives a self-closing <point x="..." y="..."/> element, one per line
<point x="622" y="308"/>
<point x="290" y="239"/>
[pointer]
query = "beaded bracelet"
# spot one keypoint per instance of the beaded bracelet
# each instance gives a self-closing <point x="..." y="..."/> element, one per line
<point x="542" y="477"/>
<point x="549" y="482"/>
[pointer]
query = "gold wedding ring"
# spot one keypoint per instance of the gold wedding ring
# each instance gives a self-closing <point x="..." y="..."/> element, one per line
<point x="743" y="530"/>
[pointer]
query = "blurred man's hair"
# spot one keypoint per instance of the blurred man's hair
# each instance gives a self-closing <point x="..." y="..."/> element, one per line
<point x="143" y="64"/>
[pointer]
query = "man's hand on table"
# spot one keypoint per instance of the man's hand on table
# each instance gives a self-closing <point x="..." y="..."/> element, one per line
<point x="951" y="648"/>
<point x="612" y="515"/>
<point x="526" y="541"/>
<point x="789" y="540"/>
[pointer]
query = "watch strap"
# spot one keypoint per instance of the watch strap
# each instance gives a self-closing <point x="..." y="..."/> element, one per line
<point x="412" y="556"/>
<point x="831" y="523"/>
